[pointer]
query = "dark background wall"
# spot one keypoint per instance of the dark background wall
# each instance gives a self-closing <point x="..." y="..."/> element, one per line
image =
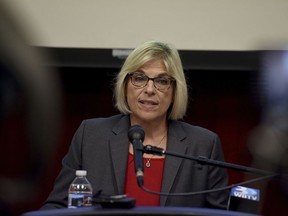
<point x="223" y="88"/>
<point x="224" y="101"/>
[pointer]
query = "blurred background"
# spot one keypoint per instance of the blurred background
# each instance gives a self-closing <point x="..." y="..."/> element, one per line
<point x="59" y="58"/>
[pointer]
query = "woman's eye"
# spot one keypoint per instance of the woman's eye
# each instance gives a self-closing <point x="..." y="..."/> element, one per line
<point x="139" y="78"/>
<point x="163" y="81"/>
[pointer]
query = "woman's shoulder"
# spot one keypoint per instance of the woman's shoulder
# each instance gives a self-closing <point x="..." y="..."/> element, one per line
<point x="191" y="129"/>
<point x="101" y="120"/>
<point x="104" y="122"/>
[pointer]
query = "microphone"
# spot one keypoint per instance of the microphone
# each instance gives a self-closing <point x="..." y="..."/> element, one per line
<point x="136" y="136"/>
<point x="149" y="149"/>
<point x="244" y="199"/>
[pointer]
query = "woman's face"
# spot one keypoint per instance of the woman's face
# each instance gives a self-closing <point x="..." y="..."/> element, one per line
<point x="148" y="103"/>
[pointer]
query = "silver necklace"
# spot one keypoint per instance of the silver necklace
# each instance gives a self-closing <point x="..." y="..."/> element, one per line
<point x="148" y="164"/>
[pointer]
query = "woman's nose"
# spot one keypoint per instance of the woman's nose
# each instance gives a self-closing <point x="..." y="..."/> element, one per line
<point x="150" y="86"/>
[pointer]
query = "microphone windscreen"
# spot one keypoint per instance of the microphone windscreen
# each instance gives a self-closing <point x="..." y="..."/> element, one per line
<point x="136" y="132"/>
<point x="244" y="199"/>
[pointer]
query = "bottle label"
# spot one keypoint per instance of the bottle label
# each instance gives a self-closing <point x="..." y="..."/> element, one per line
<point x="79" y="200"/>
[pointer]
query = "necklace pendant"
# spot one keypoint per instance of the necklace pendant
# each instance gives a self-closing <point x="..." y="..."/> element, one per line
<point x="147" y="164"/>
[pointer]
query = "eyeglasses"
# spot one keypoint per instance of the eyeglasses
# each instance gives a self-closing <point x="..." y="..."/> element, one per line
<point x="161" y="83"/>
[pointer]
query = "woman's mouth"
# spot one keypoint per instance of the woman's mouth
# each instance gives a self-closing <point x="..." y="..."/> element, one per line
<point x="148" y="103"/>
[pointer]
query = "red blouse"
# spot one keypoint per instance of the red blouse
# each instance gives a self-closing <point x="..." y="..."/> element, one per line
<point x="152" y="180"/>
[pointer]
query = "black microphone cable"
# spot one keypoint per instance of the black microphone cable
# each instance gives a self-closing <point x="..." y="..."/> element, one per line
<point x="208" y="191"/>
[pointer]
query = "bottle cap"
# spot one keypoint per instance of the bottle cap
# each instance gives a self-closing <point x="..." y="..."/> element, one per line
<point x="81" y="172"/>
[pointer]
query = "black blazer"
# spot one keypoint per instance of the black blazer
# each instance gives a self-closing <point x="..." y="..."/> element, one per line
<point x="100" y="146"/>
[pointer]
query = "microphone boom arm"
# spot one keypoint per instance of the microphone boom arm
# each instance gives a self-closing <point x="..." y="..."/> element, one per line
<point x="204" y="160"/>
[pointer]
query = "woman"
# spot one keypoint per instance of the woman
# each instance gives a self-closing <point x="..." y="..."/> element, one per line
<point x="150" y="91"/>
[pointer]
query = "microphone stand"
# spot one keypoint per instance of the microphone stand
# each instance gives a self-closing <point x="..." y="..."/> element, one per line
<point x="204" y="160"/>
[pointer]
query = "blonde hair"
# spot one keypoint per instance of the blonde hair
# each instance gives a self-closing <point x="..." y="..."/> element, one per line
<point x="154" y="50"/>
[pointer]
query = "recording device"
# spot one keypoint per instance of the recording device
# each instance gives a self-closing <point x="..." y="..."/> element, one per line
<point x="115" y="201"/>
<point x="244" y="199"/>
<point x="136" y="136"/>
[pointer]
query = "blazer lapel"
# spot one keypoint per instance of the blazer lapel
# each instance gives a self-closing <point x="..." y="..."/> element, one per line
<point x="119" y="144"/>
<point x="172" y="164"/>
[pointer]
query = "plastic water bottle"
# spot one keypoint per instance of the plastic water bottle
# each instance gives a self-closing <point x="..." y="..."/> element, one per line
<point x="80" y="191"/>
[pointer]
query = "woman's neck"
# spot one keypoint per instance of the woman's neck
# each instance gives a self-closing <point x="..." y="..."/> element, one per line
<point x="152" y="129"/>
